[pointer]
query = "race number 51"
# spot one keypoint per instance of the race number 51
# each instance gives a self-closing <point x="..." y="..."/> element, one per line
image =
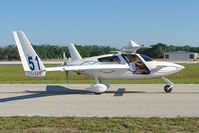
<point x="31" y="62"/>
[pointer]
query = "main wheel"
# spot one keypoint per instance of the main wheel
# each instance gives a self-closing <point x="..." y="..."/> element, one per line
<point x="106" y="83"/>
<point x="167" y="88"/>
<point x="97" y="93"/>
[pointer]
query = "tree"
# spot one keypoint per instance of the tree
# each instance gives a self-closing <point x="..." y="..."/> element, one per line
<point x="47" y="51"/>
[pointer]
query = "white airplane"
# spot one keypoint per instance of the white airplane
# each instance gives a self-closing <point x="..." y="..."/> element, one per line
<point x="111" y="66"/>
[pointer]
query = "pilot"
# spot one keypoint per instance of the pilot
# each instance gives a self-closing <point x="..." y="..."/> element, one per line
<point x="138" y="63"/>
<point x="132" y="65"/>
<point x="140" y="68"/>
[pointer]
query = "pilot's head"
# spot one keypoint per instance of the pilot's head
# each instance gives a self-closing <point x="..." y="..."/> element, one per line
<point x="133" y="58"/>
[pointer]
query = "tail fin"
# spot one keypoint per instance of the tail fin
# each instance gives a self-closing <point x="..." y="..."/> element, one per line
<point x="32" y="64"/>
<point x="73" y="52"/>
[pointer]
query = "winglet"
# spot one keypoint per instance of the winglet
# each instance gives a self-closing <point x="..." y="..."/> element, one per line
<point x="133" y="44"/>
<point x="32" y="64"/>
<point x="132" y="47"/>
<point x="73" y="52"/>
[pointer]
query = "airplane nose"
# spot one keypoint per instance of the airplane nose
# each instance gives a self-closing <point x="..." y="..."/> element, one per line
<point x="182" y="67"/>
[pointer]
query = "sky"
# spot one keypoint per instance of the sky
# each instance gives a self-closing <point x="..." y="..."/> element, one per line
<point x="101" y="22"/>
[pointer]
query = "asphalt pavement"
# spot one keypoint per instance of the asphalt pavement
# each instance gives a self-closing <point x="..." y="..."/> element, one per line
<point x="120" y="100"/>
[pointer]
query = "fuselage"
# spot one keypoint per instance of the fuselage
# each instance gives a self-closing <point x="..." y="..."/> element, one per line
<point x="149" y="68"/>
<point x="121" y="65"/>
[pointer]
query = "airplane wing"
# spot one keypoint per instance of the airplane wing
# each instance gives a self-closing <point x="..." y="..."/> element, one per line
<point x="34" y="67"/>
<point x="88" y="67"/>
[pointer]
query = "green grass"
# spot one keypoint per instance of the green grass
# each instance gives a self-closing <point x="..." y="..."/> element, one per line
<point x="15" y="74"/>
<point x="90" y="125"/>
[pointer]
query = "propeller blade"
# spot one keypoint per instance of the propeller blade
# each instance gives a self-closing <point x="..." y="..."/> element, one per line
<point x="67" y="76"/>
<point x="65" y="59"/>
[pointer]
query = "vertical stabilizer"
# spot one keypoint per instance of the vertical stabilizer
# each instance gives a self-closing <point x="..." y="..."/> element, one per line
<point x="73" y="52"/>
<point x="32" y="64"/>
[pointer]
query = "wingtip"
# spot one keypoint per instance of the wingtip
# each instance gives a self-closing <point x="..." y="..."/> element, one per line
<point x="131" y="42"/>
<point x="20" y="31"/>
<point x="69" y="44"/>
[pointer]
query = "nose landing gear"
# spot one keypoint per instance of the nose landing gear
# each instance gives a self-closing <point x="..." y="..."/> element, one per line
<point x="168" y="88"/>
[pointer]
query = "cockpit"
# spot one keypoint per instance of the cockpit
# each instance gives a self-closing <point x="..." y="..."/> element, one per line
<point x="146" y="58"/>
<point x="137" y="62"/>
<point x="131" y="59"/>
<point x="110" y="59"/>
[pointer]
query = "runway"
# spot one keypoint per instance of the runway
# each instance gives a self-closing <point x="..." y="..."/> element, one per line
<point x="120" y="100"/>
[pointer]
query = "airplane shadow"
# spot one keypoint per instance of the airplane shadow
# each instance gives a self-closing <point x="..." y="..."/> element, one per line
<point x="60" y="90"/>
<point x="52" y="90"/>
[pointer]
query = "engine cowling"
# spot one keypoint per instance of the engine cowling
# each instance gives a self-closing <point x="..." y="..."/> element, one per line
<point x="97" y="88"/>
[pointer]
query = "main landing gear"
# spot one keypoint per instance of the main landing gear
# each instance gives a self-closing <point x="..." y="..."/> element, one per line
<point x="168" y="88"/>
<point x="99" y="86"/>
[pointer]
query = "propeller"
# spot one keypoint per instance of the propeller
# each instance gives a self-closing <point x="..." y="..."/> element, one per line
<point x="66" y="76"/>
<point x="65" y="63"/>
<point x="65" y="59"/>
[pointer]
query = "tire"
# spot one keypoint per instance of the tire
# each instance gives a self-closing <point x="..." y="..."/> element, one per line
<point x="167" y="88"/>
<point x="106" y="83"/>
<point x="97" y="93"/>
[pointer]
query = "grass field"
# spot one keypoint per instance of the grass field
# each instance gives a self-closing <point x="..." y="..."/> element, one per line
<point x="15" y="74"/>
<point x="90" y="125"/>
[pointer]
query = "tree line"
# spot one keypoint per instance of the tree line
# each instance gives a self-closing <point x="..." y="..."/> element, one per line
<point x="55" y="52"/>
<point x="158" y="50"/>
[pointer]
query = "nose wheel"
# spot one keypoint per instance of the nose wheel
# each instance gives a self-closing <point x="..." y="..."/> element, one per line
<point x="168" y="88"/>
